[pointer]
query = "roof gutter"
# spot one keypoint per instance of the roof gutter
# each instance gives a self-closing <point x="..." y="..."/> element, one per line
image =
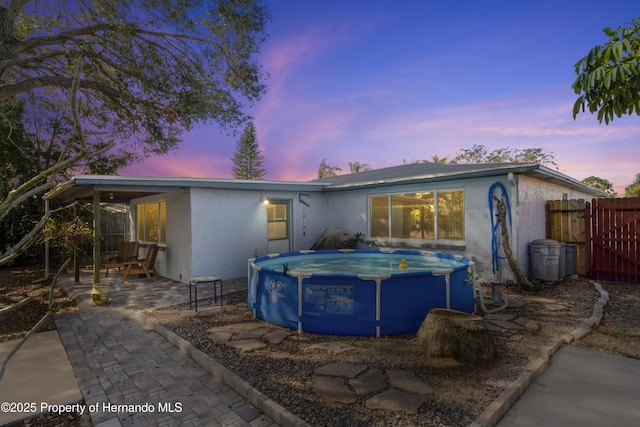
<point x="434" y="177"/>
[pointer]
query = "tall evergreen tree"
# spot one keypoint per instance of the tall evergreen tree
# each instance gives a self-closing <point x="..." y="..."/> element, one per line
<point x="248" y="162"/>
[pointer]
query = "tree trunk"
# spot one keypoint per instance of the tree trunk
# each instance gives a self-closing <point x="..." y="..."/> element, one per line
<point x="453" y="334"/>
<point x="502" y="219"/>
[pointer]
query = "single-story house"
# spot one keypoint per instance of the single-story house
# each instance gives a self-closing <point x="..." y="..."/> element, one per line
<point x="213" y="226"/>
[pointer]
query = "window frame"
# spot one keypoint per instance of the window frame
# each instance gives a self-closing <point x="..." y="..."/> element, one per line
<point x="436" y="217"/>
<point x="161" y="225"/>
<point x="286" y="220"/>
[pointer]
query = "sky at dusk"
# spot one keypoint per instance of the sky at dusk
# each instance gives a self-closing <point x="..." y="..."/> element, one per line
<point x="382" y="82"/>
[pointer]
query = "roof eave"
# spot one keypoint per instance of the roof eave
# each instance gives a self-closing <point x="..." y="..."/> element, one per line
<point x="416" y="179"/>
<point x="80" y="186"/>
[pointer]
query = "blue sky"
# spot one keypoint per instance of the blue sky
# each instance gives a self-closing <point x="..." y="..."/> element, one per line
<point x="382" y="82"/>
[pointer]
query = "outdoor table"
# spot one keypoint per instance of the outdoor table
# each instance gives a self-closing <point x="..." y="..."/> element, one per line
<point x="195" y="282"/>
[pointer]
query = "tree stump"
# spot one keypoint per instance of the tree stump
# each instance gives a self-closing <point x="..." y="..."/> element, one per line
<point x="453" y="334"/>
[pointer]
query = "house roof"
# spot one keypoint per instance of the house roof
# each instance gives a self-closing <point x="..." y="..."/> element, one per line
<point x="434" y="172"/>
<point x="124" y="188"/>
<point x="114" y="188"/>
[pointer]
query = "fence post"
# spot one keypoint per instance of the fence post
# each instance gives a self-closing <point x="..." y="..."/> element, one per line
<point x="547" y="215"/>
<point x="587" y="236"/>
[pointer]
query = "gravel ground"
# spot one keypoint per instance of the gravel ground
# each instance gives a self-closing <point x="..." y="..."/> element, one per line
<point x="284" y="372"/>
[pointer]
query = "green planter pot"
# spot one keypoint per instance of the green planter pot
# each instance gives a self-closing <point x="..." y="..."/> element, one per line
<point x="100" y="293"/>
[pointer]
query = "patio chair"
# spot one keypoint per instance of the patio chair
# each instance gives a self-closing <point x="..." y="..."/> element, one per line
<point x="127" y="251"/>
<point x="142" y="266"/>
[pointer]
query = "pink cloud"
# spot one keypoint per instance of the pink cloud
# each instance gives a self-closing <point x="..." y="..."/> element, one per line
<point x="182" y="165"/>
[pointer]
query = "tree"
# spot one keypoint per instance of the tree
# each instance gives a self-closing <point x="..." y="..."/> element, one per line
<point x="608" y="77"/>
<point x="248" y="162"/>
<point x="149" y="70"/>
<point x="600" y="184"/>
<point x="42" y="180"/>
<point x="479" y="154"/>
<point x="325" y="171"/>
<point x="633" y="190"/>
<point x="135" y="72"/>
<point x="356" y="167"/>
<point x="437" y="159"/>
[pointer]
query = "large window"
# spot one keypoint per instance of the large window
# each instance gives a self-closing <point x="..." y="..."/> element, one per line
<point x="437" y="215"/>
<point x="152" y="222"/>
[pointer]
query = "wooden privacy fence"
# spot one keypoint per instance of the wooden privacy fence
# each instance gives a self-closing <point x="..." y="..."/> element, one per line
<point x="615" y="240"/>
<point x="606" y="232"/>
<point x="565" y="221"/>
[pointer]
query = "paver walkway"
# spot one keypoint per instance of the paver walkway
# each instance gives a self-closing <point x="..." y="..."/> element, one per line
<point x="129" y="375"/>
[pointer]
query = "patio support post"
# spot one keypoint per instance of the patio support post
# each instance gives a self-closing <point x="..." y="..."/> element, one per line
<point x="96" y="236"/>
<point x="76" y="255"/>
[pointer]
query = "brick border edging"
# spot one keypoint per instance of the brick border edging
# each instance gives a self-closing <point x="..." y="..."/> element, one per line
<point x="499" y="407"/>
<point x="278" y="413"/>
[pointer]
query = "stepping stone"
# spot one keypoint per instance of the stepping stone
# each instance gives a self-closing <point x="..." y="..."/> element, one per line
<point x="276" y="336"/>
<point x="251" y="333"/>
<point x="246" y="345"/>
<point x="498" y="316"/>
<point x="407" y="381"/>
<point x="514" y="302"/>
<point x="220" y="337"/>
<point x="333" y="389"/>
<point x="371" y="381"/>
<point x="245" y="326"/>
<point x="225" y="328"/>
<point x="505" y="325"/>
<point x="396" y="400"/>
<point x="555" y="307"/>
<point x="335" y="347"/>
<point x="530" y="325"/>
<point x="340" y="369"/>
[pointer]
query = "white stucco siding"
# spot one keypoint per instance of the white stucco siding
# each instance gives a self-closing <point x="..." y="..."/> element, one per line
<point x="228" y="228"/>
<point x="533" y="196"/>
<point x="309" y="222"/>
<point x="178" y="248"/>
<point x="348" y="211"/>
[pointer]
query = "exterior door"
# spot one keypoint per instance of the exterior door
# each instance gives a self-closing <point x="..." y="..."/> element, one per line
<point x="279" y="226"/>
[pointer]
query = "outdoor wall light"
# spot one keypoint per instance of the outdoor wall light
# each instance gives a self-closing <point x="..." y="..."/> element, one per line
<point x="264" y="200"/>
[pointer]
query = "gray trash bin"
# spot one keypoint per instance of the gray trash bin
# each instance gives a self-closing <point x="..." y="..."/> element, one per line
<point x="570" y="259"/>
<point x="562" y="261"/>
<point x="544" y="255"/>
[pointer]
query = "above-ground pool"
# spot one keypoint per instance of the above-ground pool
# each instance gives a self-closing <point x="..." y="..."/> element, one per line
<point x="357" y="292"/>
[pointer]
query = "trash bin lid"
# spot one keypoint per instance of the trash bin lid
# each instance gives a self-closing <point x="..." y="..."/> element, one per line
<point x="545" y="242"/>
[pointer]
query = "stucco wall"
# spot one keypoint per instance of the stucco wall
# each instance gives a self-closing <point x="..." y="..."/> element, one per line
<point x="533" y="195"/>
<point x="215" y="232"/>
<point x="230" y="227"/>
<point x="179" y="236"/>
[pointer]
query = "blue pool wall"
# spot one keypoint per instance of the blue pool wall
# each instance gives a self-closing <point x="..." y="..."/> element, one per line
<point x="351" y="307"/>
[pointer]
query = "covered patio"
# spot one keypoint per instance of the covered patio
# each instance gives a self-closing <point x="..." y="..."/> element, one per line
<point x="140" y="294"/>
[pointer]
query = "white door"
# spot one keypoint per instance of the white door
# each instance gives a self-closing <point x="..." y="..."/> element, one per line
<point x="279" y="226"/>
